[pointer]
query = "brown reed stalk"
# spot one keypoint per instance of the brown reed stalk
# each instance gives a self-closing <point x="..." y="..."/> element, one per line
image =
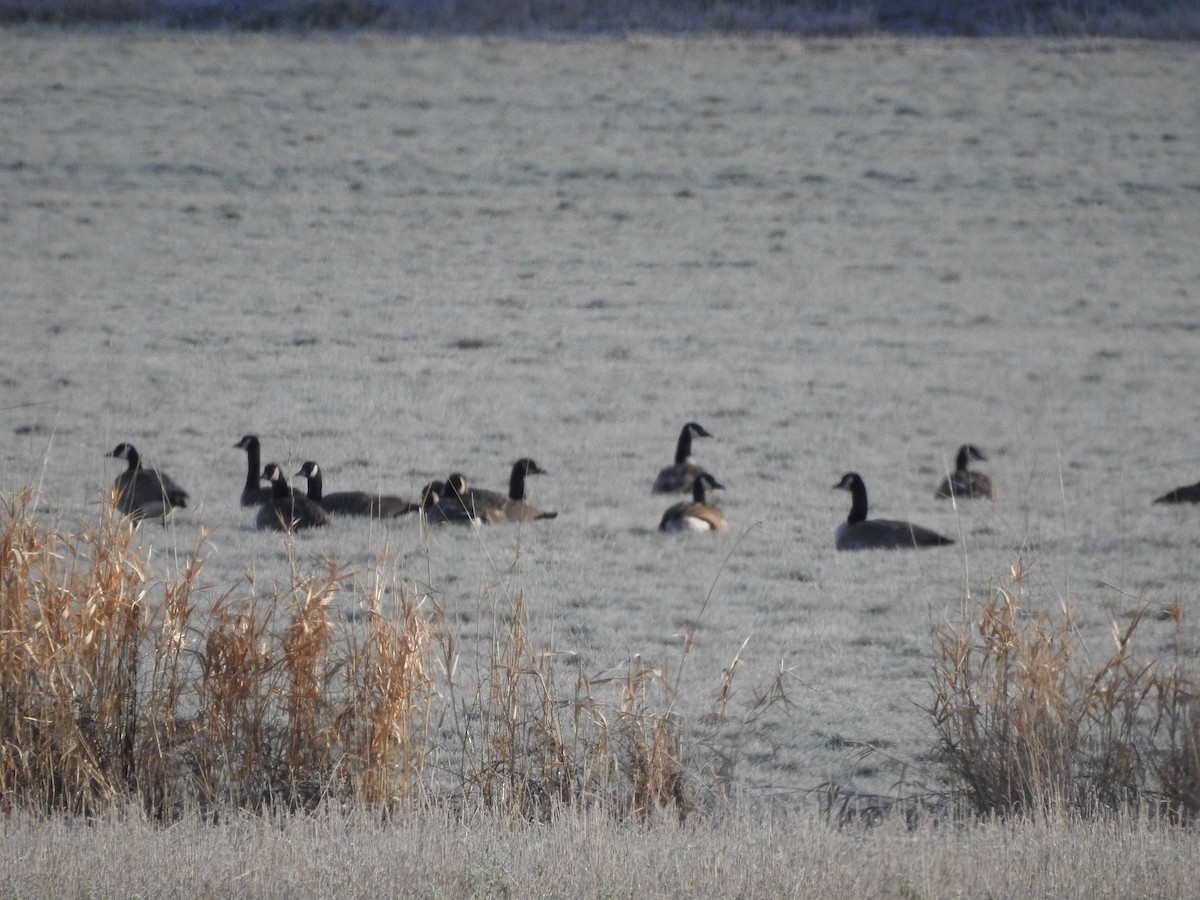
<point x="384" y="726"/>
<point x="1024" y="726"/>
<point x="69" y="657"/>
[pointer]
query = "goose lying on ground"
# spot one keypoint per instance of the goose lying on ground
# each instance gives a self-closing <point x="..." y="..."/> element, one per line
<point x="352" y="503"/>
<point x="142" y="492"/>
<point x="254" y="493"/>
<point x="449" y="501"/>
<point x="964" y="483"/>
<point x="287" y="510"/>
<point x="698" y="514"/>
<point x="1189" y="493"/>
<point x="494" y="506"/>
<point x="860" y="533"/>
<point x="678" y="478"/>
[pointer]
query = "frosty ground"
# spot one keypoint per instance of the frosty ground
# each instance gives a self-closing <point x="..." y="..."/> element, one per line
<point x="406" y="257"/>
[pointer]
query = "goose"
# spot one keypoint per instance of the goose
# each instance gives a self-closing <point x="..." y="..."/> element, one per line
<point x="964" y="483"/>
<point x="287" y="510"/>
<point x="494" y="506"/>
<point x="254" y="494"/>
<point x="678" y="478"/>
<point x="352" y="503"/>
<point x="860" y="533"/>
<point x="139" y="492"/>
<point x="699" y="514"/>
<point x="449" y="501"/>
<point x="1187" y="494"/>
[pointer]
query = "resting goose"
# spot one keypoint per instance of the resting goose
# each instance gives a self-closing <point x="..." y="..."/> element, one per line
<point x="678" y="478"/>
<point x="860" y="533"/>
<point x="514" y="507"/>
<point x="964" y="483"/>
<point x="254" y="494"/>
<point x="449" y="501"/>
<point x="1187" y="494"/>
<point x="139" y="492"/>
<point x="287" y="510"/>
<point x="699" y="514"/>
<point x="352" y="503"/>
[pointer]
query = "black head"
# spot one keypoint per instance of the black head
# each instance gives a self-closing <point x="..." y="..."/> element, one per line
<point x="528" y="466"/>
<point x="975" y="453"/>
<point x="309" y="470"/>
<point x="706" y="482"/>
<point x="247" y="441"/>
<point x="695" y="429"/>
<point x="272" y="473"/>
<point x="124" y="451"/>
<point x="849" y="482"/>
<point x="455" y="485"/>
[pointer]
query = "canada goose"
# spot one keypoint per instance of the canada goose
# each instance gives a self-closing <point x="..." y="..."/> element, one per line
<point x="1187" y="494"/>
<point x="288" y="510"/>
<point x="678" y="478"/>
<point x="142" y="492"/>
<point x="352" y="503"/>
<point x="964" y="483"/>
<point x="860" y="533"/>
<point x="254" y="494"/>
<point x="699" y="514"/>
<point x="494" y="506"/>
<point x="449" y="501"/>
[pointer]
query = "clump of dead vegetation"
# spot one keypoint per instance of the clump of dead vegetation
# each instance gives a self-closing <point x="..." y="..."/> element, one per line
<point x="121" y="686"/>
<point x="1028" y="723"/>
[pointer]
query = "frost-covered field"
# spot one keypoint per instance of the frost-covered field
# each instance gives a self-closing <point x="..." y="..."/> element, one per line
<point x="405" y="257"/>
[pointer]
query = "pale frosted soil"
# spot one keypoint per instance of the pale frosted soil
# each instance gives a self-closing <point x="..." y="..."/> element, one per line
<point x="792" y="856"/>
<point x="404" y="257"/>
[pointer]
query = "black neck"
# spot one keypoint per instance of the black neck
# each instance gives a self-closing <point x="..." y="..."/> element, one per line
<point x="253" y="466"/>
<point x="135" y="461"/>
<point x="964" y="460"/>
<point x="684" y="448"/>
<point x="699" y="491"/>
<point x="279" y="487"/>
<point x="315" y="486"/>
<point x="858" y="504"/>
<point x="516" y="483"/>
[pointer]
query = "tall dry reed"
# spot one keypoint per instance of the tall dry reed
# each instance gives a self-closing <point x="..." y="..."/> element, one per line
<point x="119" y="685"/>
<point x="1026" y="724"/>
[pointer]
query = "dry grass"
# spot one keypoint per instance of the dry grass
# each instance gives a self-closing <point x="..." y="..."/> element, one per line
<point x="1027" y="722"/>
<point x="118" y="690"/>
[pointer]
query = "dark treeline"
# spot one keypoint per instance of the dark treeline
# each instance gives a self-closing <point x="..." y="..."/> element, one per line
<point x="1156" y="19"/>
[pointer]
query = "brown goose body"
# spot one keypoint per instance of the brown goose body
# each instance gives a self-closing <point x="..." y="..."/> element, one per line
<point x="698" y="514"/>
<point x="964" y="483"/>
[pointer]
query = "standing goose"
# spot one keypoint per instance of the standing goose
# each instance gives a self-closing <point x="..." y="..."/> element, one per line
<point x="964" y="483"/>
<point x="678" y="478"/>
<point x="699" y="514"/>
<point x="142" y="492"/>
<point x="1187" y="494"/>
<point x="287" y="510"/>
<point x="860" y="533"/>
<point x="352" y="503"/>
